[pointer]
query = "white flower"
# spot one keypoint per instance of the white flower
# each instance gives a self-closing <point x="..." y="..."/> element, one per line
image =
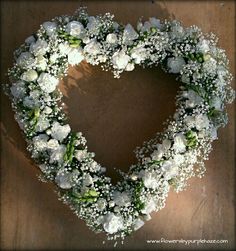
<point x="101" y="204"/>
<point x="202" y="122"/>
<point x="150" y="206"/>
<point x="18" y="89"/>
<point x="41" y="62"/>
<point x="40" y="47"/>
<point x="176" y="64"/>
<point x="47" y="82"/>
<point x="29" y="40"/>
<point x="80" y="154"/>
<point x="53" y="57"/>
<point x="129" y="34"/>
<point x="120" y="60"/>
<point x="64" y="48"/>
<point x="193" y="98"/>
<point x="139" y="54"/>
<point x="121" y="199"/>
<point x="129" y="67"/>
<point x="75" y="56"/>
<point x="177" y="31"/>
<point x="50" y="27"/>
<point x="87" y="180"/>
<point x="150" y="178"/>
<point x="190" y="121"/>
<point x="92" y="25"/>
<point x="179" y="159"/>
<point x="155" y="22"/>
<point x="40" y="142"/>
<point x="111" y="38"/>
<point x="25" y="59"/>
<point x="161" y="149"/>
<point x="138" y="223"/>
<point x="203" y="46"/>
<point x="210" y="66"/>
<point x="216" y="102"/>
<point x="60" y="132"/>
<point x="170" y="169"/>
<point x="64" y="179"/>
<point x="75" y="29"/>
<point x="179" y="143"/>
<point x="112" y="223"/>
<point x="29" y="76"/>
<point x="57" y="154"/>
<point x="92" y="48"/>
<point x="42" y="124"/>
<point x="52" y="144"/>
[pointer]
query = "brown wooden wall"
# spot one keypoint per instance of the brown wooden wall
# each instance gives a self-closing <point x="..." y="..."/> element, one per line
<point x="115" y="116"/>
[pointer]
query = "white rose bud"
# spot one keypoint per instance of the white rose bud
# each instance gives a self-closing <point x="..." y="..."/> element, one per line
<point x="50" y="27"/>
<point x="75" y="29"/>
<point x="111" y="38"/>
<point x="29" y="76"/>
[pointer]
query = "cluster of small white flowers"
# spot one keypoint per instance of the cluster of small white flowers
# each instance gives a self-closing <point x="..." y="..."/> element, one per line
<point x="167" y="160"/>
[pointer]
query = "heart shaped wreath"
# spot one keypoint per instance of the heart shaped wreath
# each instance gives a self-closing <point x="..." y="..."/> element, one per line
<point x="168" y="160"/>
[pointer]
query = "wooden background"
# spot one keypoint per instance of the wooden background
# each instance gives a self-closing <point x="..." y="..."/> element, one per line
<point x="115" y="116"/>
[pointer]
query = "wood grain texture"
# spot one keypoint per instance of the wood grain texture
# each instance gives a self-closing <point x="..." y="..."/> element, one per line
<point x="115" y="116"/>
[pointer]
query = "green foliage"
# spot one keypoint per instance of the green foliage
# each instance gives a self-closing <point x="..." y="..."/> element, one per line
<point x="70" y="149"/>
<point x="138" y="204"/>
<point x="191" y="139"/>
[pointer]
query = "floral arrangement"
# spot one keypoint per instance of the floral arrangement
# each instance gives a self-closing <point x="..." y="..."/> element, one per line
<point x="168" y="160"/>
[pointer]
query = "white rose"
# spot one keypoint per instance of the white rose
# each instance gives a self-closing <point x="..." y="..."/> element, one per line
<point x="111" y="38"/>
<point x="179" y="143"/>
<point x="193" y="98"/>
<point x="41" y="62"/>
<point x="203" y="46"/>
<point x="161" y="149"/>
<point x="57" y="154"/>
<point x="101" y="204"/>
<point x="139" y="54"/>
<point x="129" y="67"/>
<point x="202" y="122"/>
<point x="47" y="82"/>
<point x="170" y="169"/>
<point x="87" y="180"/>
<point x="129" y="34"/>
<point x="138" y="223"/>
<point x="112" y="223"/>
<point x="29" y="40"/>
<point x="25" y="59"/>
<point x="40" y="142"/>
<point x="177" y="31"/>
<point x="176" y="64"/>
<point x="52" y="144"/>
<point x="120" y="60"/>
<point x="75" y="56"/>
<point x="150" y="206"/>
<point x="18" y="89"/>
<point x="60" y="132"/>
<point x="29" y="76"/>
<point x="190" y="121"/>
<point x="80" y="154"/>
<point x="75" y="29"/>
<point x="121" y="199"/>
<point x="40" y="47"/>
<point x="64" y="179"/>
<point x="50" y="27"/>
<point x="150" y="179"/>
<point x="216" y="102"/>
<point x="155" y="22"/>
<point x="42" y="124"/>
<point x="92" y="24"/>
<point x="92" y="48"/>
